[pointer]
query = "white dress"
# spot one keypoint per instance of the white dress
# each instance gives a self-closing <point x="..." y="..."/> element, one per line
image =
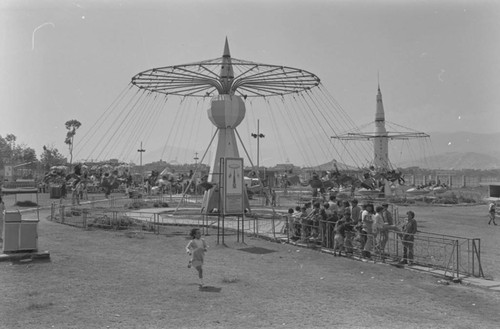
<point x="197" y="248"/>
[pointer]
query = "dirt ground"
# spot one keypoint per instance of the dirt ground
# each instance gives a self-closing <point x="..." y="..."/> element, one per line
<point x="110" y="279"/>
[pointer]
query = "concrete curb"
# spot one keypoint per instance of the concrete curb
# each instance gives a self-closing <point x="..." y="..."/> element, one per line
<point x="25" y="256"/>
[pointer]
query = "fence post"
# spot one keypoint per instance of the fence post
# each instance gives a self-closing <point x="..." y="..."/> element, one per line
<point x="458" y="258"/>
<point x="84" y="215"/>
<point x="61" y="210"/>
<point x="273" y="225"/>
<point x="477" y="253"/>
<point x="289" y="227"/>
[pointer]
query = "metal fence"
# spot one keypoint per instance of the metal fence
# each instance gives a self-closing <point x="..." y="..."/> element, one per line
<point x="453" y="181"/>
<point x="450" y="255"/>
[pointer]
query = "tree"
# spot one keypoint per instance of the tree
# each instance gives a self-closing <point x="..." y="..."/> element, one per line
<point x="11" y="139"/>
<point x="71" y="126"/>
<point x="12" y="153"/>
<point x="5" y="152"/>
<point x="51" y="157"/>
<point x="23" y="153"/>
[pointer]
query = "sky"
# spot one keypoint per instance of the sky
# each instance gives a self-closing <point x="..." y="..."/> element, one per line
<point x="436" y="61"/>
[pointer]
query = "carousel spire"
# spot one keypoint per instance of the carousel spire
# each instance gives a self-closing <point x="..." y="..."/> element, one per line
<point x="380" y="142"/>
<point x="226" y="71"/>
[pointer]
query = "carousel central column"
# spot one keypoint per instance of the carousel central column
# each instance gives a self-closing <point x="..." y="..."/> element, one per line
<point x="226" y="112"/>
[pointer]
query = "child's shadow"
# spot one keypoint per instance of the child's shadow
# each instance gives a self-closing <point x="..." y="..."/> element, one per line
<point x="210" y="289"/>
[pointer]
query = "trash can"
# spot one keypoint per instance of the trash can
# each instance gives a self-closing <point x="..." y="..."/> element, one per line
<point x="11" y="226"/>
<point x="55" y="191"/>
<point x="19" y="234"/>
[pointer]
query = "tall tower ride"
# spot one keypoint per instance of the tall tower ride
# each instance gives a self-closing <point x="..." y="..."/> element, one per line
<point x="380" y="141"/>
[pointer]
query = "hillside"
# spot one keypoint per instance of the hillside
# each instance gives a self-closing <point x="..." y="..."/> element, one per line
<point x="459" y="150"/>
<point x="456" y="160"/>
<point x="464" y="142"/>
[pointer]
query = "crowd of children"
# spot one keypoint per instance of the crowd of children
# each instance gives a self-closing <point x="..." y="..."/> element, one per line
<point x="342" y="226"/>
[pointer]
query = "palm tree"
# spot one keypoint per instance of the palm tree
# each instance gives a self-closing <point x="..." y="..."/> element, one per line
<point x="71" y="126"/>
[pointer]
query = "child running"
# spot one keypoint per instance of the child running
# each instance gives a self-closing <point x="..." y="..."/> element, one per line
<point x="196" y="248"/>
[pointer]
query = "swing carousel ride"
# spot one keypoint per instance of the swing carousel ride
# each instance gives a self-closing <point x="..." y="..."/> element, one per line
<point x="382" y="177"/>
<point x="163" y="105"/>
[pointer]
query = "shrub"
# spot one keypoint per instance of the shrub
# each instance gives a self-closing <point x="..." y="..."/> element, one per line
<point x="26" y="203"/>
<point x="136" y="204"/>
<point x="463" y="199"/>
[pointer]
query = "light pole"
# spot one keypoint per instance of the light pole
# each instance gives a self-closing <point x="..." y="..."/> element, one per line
<point x="258" y="135"/>
<point x="195" y="170"/>
<point x="141" y="150"/>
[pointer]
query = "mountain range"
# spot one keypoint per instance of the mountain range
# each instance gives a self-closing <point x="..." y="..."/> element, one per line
<point x="456" y="161"/>
<point x="457" y="150"/>
<point x="460" y="150"/>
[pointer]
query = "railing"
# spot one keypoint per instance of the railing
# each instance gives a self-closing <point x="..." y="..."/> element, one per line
<point x="456" y="255"/>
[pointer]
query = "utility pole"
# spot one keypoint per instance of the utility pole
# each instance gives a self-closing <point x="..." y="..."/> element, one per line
<point x="141" y="150"/>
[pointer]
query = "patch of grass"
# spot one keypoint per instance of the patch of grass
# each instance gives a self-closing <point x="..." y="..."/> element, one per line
<point x="137" y="235"/>
<point x="230" y="279"/>
<point x="39" y="306"/>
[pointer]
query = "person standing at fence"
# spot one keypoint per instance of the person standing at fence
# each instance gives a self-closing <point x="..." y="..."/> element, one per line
<point x="333" y="203"/>
<point x="305" y="229"/>
<point x="288" y="227"/>
<point x="273" y="198"/>
<point x="323" y="215"/>
<point x="296" y="223"/>
<point x="355" y="211"/>
<point x="378" y="228"/>
<point x="196" y="248"/>
<point x="331" y="219"/>
<point x="75" y="194"/>
<point x="491" y="212"/>
<point x="408" y="237"/>
<point x="367" y="222"/>
<point x="388" y="219"/>
<point x="314" y="220"/>
<point x="338" y="240"/>
<point x="348" y="233"/>
<point x="388" y="225"/>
